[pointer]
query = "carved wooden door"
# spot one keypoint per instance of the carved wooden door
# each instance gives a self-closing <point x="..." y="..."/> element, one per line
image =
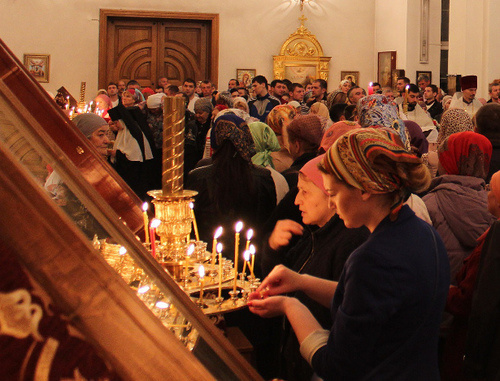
<point x="145" y="48"/>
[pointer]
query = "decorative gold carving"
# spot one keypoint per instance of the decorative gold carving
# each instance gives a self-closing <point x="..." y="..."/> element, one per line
<point x="301" y="57"/>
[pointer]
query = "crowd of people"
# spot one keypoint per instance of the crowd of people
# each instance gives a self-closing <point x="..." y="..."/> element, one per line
<point x="373" y="214"/>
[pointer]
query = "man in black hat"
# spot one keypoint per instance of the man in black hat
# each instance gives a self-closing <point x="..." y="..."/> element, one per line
<point x="466" y="100"/>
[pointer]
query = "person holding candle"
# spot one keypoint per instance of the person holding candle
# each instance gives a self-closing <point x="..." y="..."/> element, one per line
<point x="322" y="250"/>
<point x="387" y="306"/>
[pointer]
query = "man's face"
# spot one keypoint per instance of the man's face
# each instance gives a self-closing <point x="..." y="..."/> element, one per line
<point x="298" y="94"/>
<point x="235" y="94"/>
<point x="242" y="92"/>
<point x="422" y="84"/>
<point x="138" y="87"/>
<point x="495" y="92"/>
<point x="232" y="84"/>
<point x="469" y="94"/>
<point x="201" y="116"/>
<point x="317" y="90"/>
<point x="259" y="89"/>
<point x="188" y="88"/>
<point x="412" y="98"/>
<point x="400" y="85"/>
<point x="280" y="89"/>
<point x="389" y="94"/>
<point x="356" y="95"/>
<point x="100" y="140"/>
<point x="429" y="95"/>
<point x="376" y="88"/>
<point x="112" y="90"/>
<point x="163" y="82"/>
<point x="206" y="89"/>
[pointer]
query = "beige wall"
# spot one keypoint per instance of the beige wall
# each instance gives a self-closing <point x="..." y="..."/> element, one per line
<point x="251" y="32"/>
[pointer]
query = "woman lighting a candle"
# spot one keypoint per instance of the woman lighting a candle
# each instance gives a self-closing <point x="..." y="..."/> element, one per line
<point x="387" y="306"/>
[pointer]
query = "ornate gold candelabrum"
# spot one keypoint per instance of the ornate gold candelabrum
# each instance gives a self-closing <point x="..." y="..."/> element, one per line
<point x="172" y="201"/>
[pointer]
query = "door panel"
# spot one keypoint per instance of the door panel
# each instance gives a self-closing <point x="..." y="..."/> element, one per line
<point x="146" y="48"/>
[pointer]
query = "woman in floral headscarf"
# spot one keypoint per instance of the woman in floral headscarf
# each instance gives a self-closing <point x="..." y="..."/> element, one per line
<point x="388" y="303"/>
<point x="231" y="188"/>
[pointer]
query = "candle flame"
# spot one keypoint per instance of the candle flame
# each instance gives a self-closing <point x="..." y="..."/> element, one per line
<point x="246" y="255"/>
<point x="249" y="234"/>
<point x="370" y="84"/>
<point x="219" y="248"/>
<point x="407" y="87"/>
<point x="191" y="205"/>
<point x="155" y="223"/>
<point x="239" y="226"/>
<point x="162" y="305"/>
<point x="143" y="289"/>
<point x="218" y="232"/>
<point x="191" y="249"/>
<point x="251" y="249"/>
<point x="122" y="251"/>
<point x="201" y="271"/>
<point x="145" y="207"/>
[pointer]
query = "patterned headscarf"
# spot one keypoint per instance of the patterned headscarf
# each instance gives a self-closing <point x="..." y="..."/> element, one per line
<point x="235" y="111"/>
<point x="265" y="142"/>
<point x="335" y="131"/>
<point x="454" y="120"/>
<point x="466" y="153"/>
<point x="377" y="110"/>
<point x="366" y="159"/>
<point x="280" y="117"/>
<point x="230" y="127"/>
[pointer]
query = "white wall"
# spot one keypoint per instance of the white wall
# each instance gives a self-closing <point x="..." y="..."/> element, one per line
<point x="251" y="32"/>
<point x="397" y="25"/>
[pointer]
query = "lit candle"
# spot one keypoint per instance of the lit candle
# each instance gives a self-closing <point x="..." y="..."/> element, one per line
<point x="146" y="220"/>
<point x="252" y="252"/>
<point x="196" y="234"/>
<point x="406" y="93"/>
<point x="71" y="112"/>
<point x="154" y="224"/>
<point x="370" y="88"/>
<point x="239" y="226"/>
<point x="201" y="274"/>
<point x="189" y="252"/>
<point x="249" y="237"/>
<point x="67" y="102"/>
<point x="246" y="257"/>
<point x="219" y="250"/>
<point x="217" y="234"/>
<point x="122" y="251"/>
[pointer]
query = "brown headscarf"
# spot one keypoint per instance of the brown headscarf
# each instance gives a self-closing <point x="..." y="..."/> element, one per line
<point x="280" y="117"/>
<point x="454" y="120"/>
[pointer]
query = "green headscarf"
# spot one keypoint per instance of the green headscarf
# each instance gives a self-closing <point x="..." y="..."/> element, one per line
<point x="265" y="142"/>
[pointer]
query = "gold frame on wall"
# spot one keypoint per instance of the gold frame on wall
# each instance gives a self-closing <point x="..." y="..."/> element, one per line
<point x="38" y="66"/>
<point x="301" y="58"/>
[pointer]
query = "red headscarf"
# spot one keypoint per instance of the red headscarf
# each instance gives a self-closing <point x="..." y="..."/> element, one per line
<point x="466" y="153"/>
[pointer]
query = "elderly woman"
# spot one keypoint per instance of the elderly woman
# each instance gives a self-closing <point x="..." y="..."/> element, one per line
<point x="324" y="245"/>
<point x="387" y="305"/>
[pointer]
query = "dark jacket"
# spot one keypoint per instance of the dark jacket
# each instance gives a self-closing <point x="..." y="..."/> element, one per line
<point x="320" y="252"/>
<point x="482" y="350"/>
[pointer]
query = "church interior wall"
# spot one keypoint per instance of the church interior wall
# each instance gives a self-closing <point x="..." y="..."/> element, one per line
<point x="250" y="33"/>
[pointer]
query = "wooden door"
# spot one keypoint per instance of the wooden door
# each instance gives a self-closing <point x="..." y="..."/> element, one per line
<point x="145" y="46"/>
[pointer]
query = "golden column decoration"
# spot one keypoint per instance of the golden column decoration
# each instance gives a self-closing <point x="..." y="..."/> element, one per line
<point x="172" y="201"/>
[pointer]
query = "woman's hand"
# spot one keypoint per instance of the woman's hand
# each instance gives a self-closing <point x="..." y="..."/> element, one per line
<point x="267" y="307"/>
<point x="283" y="233"/>
<point x="280" y="281"/>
